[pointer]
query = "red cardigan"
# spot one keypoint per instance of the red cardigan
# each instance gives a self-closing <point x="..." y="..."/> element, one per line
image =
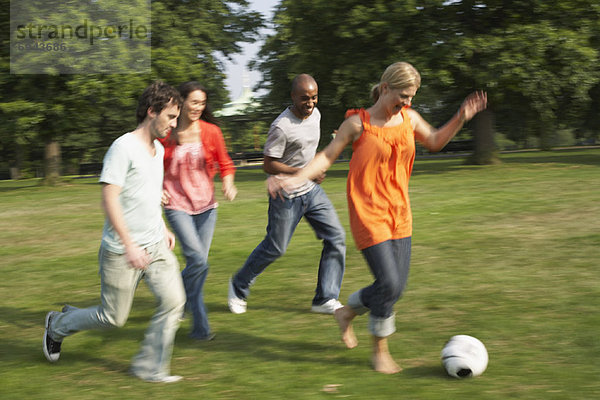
<point x="215" y="152"/>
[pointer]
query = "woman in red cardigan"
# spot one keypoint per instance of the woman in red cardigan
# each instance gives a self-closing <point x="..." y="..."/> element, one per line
<point x="194" y="151"/>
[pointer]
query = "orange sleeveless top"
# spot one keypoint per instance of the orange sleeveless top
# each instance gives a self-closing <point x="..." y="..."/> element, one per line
<point x="378" y="176"/>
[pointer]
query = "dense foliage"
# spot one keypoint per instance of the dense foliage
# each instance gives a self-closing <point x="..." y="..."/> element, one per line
<point x="538" y="60"/>
<point x="76" y="116"/>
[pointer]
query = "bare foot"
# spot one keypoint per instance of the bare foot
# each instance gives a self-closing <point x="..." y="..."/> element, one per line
<point x="344" y="317"/>
<point x="384" y="363"/>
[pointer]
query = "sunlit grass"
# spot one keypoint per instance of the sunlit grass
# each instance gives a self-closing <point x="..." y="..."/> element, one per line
<point x="506" y="253"/>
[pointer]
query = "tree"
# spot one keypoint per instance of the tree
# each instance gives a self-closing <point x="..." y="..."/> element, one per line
<point x="191" y="33"/>
<point x="344" y="45"/>
<point x="537" y="60"/>
<point x="77" y="115"/>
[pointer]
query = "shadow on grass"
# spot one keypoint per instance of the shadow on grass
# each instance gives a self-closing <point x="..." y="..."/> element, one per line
<point x="235" y="341"/>
<point x="554" y="157"/>
<point x="13" y="185"/>
<point x="425" y="371"/>
<point x="21" y="351"/>
<point x="9" y="186"/>
<point x="221" y="307"/>
<point x="270" y="349"/>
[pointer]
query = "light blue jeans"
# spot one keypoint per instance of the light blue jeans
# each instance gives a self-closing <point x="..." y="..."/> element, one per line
<point x="195" y="233"/>
<point x="284" y="216"/>
<point x="118" y="284"/>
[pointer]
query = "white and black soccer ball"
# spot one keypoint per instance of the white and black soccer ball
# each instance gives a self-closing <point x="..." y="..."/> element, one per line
<point x="464" y="356"/>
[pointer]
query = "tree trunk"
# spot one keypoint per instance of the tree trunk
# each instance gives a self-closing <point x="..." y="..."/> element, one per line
<point x="485" y="152"/>
<point x="547" y="140"/>
<point x="52" y="162"/>
<point x="256" y="138"/>
<point x="15" y="171"/>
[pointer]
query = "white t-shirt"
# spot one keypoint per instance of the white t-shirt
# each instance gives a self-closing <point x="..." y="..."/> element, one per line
<point x="129" y="165"/>
<point x="293" y="141"/>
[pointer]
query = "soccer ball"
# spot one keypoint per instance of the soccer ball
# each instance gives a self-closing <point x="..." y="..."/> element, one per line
<point x="464" y="356"/>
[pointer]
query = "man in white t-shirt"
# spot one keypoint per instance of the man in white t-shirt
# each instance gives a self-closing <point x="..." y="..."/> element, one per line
<point x="291" y="144"/>
<point x="135" y="242"/>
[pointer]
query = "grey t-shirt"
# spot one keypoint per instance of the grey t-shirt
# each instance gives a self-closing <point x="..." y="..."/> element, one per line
<point x="293" y="142"/>
<point x="130" y="166"/>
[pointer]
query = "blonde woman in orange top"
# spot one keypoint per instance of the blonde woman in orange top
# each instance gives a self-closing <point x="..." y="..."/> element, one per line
<point x="383" y="142"/>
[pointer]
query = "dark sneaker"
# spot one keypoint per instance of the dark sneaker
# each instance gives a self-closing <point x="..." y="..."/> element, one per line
<point x="51" y="347"/>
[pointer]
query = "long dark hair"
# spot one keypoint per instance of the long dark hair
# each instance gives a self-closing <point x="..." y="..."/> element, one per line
<point x="188" y="87"/>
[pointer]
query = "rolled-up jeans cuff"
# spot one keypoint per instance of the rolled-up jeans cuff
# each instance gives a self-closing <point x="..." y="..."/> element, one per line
<point x="356" y="304"/>
<point x="382" y="327"/>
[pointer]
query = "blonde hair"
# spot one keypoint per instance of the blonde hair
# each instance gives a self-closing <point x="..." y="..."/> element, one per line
<point x="399" y="75"/>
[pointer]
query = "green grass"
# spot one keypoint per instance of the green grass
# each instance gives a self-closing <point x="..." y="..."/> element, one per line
<point x="506" y="253"/>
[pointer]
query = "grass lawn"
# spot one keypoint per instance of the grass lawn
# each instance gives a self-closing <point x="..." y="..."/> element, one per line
<point x="507" y="253"/>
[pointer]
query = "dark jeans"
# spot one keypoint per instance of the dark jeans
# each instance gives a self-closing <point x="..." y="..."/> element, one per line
<point x="389" y="262"/>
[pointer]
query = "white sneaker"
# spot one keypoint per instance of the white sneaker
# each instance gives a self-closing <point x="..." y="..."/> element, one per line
<point x="163" y="379"/>
<point x="327" y="308"/>
<point x="169" y="379"/>
<point x="236" y="305"/>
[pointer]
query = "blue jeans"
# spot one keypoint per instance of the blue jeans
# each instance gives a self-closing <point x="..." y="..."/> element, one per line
<point x="195" y="233"/>
<point x="284" y="216"/>
<point x="389" y="262"/>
